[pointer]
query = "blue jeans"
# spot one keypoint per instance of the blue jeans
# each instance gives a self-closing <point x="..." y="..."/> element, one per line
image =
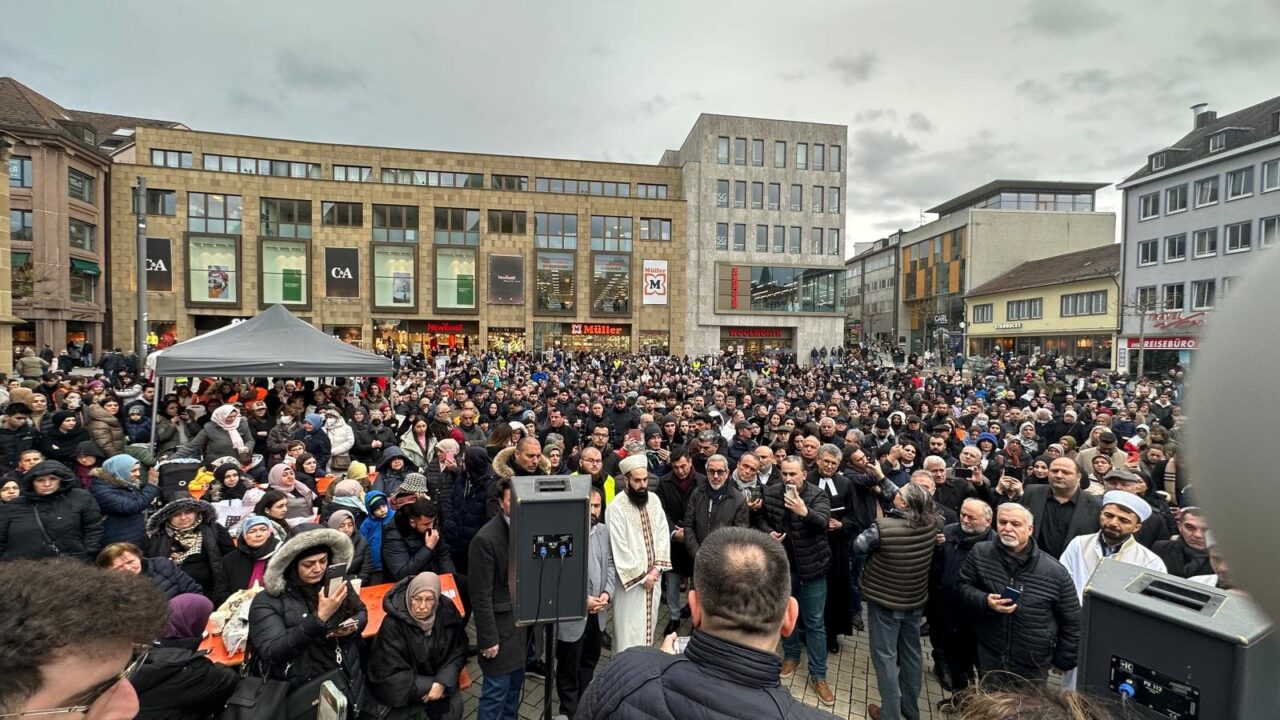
<point x="897" y="658"/>
<point x="811" y="595"/>
<point x="500" y="696"/>
<point x="855" y="591"/>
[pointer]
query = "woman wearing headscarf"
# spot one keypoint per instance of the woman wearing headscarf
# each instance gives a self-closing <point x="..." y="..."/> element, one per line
<point x="187" y="532"/>
<point x="60" y="440"/>
<point x="306" y="469"/>
<point x="173" y="427"/>
<point x="175" y="681"/>
<point x="416" y="442"/>
<point x="361" y="560"/>
<point x="316" y="439"/>
<point x="347" y="495"/>
<point x="226" y="433"/>
<point x="394" y="467"/>
<point x="227" y="484"/>
<point x="301" y="499"/>
<point x="298" y="632"/>
<point x="419" y="653"/>
<point x="246" y="566"/>
<point x="53" y="516"/>
<point x="444" y="466"/>
<point x="123" y="495"/>
<point x="374" y="436"/>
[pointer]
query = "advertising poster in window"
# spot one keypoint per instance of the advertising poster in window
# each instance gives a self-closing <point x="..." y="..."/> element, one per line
<point x="394" y="273"/>
<point x="342" y="272"/>
<point x="401" y="288"/>
<point x="211" y="264"/>
<point x="506" y="279"/>
<point x="284" y="272"/>
<point x="291" y="285"/>
<point x="219" y="282"/>
<point x="655" y="282"/>
<point x="455" y="279"/>
<point x="159" y="265"/>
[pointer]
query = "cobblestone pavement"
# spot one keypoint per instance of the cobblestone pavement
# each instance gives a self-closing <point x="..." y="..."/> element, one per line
<point x="850" y="673"/>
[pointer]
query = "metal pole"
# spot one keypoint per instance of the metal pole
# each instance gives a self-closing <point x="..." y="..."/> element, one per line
<point x="140" y="332"/>
<point x="1142" y="342"/>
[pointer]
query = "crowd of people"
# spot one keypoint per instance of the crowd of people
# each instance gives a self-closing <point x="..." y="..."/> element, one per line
<point x="882" y="498"/>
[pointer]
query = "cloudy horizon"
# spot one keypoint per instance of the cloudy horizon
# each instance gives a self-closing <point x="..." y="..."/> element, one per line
<point x="938" y="98"/>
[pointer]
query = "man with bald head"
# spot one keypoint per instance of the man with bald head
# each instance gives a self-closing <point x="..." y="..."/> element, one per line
<point x="1062" y="510"/>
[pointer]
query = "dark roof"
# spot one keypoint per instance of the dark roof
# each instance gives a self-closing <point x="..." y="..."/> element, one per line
<point x="995" y="186"/>
<point x="1088" y="264"/>
<point x="23" y="109"/>
<point x="1252" y="124"/>
<point x="105" y="124"/>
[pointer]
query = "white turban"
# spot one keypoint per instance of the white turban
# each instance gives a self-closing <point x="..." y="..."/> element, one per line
<point x="633" y="462"/>
<point x="1128" y="501"/>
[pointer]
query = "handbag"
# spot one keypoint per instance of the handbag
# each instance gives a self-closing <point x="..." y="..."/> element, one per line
<point x="341" y="461"/>
<point x="43" y="533"/>
<point x="257" y="697"/>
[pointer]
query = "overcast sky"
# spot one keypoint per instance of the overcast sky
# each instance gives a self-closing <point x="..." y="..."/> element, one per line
<point x="939" y="97"/>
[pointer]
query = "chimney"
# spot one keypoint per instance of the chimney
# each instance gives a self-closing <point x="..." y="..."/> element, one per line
<point x="1202" y="115"/>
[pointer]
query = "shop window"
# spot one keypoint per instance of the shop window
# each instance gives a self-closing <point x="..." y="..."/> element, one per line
<point x="556" y="283"/>
<point x="213" y="270"/>
<point x="284" y="270"/>
<point x="394" y="277"/>
<point x="84" y="280"/>
<point x="455" y="279"/>
<point x="611" y="285"/>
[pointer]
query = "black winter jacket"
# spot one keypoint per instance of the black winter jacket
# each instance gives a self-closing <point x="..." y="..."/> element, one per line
<point x="122" y="507"/>
<point x="13" y="442"/>
<point x="674" y="504"/>
<point x="365" y="434"/>
<point x="1045" y="629"/>
<point x="702" y="516"/>
<point x="714" y="678"/>
<point x="70" y="517"/>
<point x="405" y="556"/>
<point x="237" y="568"/>
<point x="179" y="684"/>
<point x="169" y="578"/>
<point x="215" y="542"/>
<point x="468" y="507"/>
<point x="405" y="661"/>
<point x="946" y="606"/>
<point x="806" y="541"/>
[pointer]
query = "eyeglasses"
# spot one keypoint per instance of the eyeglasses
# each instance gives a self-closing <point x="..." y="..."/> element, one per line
<point x="91" y="696"/>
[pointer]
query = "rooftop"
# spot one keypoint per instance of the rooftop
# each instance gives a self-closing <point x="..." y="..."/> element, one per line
<point x="23" y="109"/>
<point x="995" y="186"/>
<point x="1250" y="125"/>
<point x="1103" y="261"/>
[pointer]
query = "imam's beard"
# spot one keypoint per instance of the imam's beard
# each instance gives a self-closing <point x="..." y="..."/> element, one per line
<point x="639" y="497"/>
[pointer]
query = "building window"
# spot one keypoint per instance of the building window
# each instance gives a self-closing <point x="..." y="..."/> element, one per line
<point x="352" y="173"/>
<point x="401" y="176"/>
<point x="159" y="202"/>
<point x="816" y="196"/>
<point x="1157" y="162"/>
<point x="1175" y="199"/>
<point x="84" y="280"/>
<point x="740" y="194"/>
<point x="603" y="188"/>
<point x="833" y="199"/>
<point x="81" y="234"/>
<point x="722" y="193"/>
<point x="757" y="196"/>
<point x="779" y="239"/>
<point x="1271" y="175"/>
<point x="1175" y="248"/>
<point x="214" y="213"/>
<point x="815" y="241"/>
<point x="22" y="279"/>
<point x="722" y="150"/>
<point x="651" y="191"/>
<point x="797" y="198"/>
<point x="555" y="279"/>
<point x="1269" y="231"/>
<point x="507" y="222"/>
<point x="455" y="179"/>
<point x="1145" y="298"/>
<point x="1032" y="309"/>
<point x="395" y="273"/>
<point x="20" y="225"/>
<point x="213" y="270"/>
<point x="21" y="173"/>
<point x="1240" y="236"/>
<point x="779" y="289"/>
<point x="1217" y="142"/>
<point x="395" y="223"/>
<point x="1207" y="191"/>
<point x="1206" y="242"/>
<point x="79" y="186"/>
<point x="1086" y="303"/>
<point x="1173" y="298"/>
<point x="739" y="237"/>
<point x="612" y="233"/>
<point x="1149" y="206"/>
<point x="259" y="166"/>
<point x="170" y="158"/>
<point x="833" y="241"/>
<point x="284" y="272"/>
<point x="775" y="196"/>
<point x="655" y="229"/>
<point x="518" y="183"/>
<point x="757" y="153"/>
<point x="818" y="159"/>
<point x="762" y="238"/>
<point x="555" y="231"/>
<point x="456" y="277"/>
<point x="739" y="151"/>
<point x="285" y="218"/>
<point x="458" y="226"/>
<point x="1202" y="292"/>
<point x="342" y="214"/>
<point x="1148" y="252"/>
<point x="611" y="285"/>
<point x="1239" y="183"/>
<point x="779" y="154"/>
<point x="802" y="156"/>
<point x="833" y="158"/>
<point x="722" y="236"/>
<point x="983" y="313"/>
<point x="794" y="246"/>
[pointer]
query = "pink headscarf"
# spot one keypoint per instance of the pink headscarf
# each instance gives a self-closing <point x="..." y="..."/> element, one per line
<point x="221" y="419"/>
<point x="275" y="480"/>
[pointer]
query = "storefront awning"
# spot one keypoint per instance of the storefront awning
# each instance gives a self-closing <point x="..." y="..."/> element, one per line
<point x="85" y="267"/>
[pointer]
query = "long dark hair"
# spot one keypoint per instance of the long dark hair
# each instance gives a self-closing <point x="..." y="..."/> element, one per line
<point x="920" y="510"/>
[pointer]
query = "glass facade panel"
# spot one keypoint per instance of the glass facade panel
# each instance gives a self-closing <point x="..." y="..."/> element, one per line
<point x="556" y="282"/>
<point x="455" y="279"/>
<point x="611" y="285"/>
<point x="285" y="273"/>
<point x="394" y="276"/>
<point x="212" y="270"/>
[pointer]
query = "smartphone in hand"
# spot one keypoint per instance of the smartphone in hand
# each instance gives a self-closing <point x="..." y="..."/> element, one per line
<point x="1011" y="594"/>
<point x="334" y="576"/>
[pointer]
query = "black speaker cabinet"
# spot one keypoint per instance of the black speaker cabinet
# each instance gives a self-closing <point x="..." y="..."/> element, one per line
<point x="550" y="524"/>
<point x="1173" y="649"/>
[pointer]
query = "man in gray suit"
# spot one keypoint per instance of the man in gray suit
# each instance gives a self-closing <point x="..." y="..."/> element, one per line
<point x="578" y="649"/>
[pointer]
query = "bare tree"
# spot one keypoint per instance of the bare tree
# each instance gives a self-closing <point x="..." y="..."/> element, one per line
<point x="1141" y="307"/>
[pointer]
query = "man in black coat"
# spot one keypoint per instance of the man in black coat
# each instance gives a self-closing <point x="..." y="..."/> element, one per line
<point x="502" y="645"/>
<point x="1061" y="509"/>
<point x="951" y="623"/>
<point x="621" y="418"/>
<point x="16" y="435"/>
<point x="712" y="505"/>
<point x="674" y="490"/>
<point x="1020" y="641"/>
<point x="1188" y="554"/>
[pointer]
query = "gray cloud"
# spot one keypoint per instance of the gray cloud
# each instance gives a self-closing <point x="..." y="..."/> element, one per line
<point x="1067" y="20"/>
<point x="300" y="71"/>
<point x="654" y="105"/>
<point x="247" y="101"/>
<point x="1036" y="91"/>
<point x="1096" y="81"/>
<point x="875" y="150"/>
<point x="854" y="69"/>
<point x="919" y="121"/>
<point x="790" y="76"/>
<point x="874" y="114"/>
<point x="1239" y="48"/>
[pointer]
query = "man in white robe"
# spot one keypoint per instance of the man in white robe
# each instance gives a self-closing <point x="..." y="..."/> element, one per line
<point x="1122" y="514"/>
<point x="641" y="546"/>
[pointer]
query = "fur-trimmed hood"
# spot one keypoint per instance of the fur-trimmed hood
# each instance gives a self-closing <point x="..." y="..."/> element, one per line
<point x="338" y="543"/>
<point x="110" y="478"/>
<point x="503" y="469"/>
<point x="156" y="523"/>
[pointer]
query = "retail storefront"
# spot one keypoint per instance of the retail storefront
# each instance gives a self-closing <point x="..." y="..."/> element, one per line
<point x="753" y="341"/>
<point x="165" y="333"/>
<point x="655" y="342"/>
<point x="1161" y="352"/>
<point x="426" y="336"/>
<point x="1092" y="346"/>
<point x="574" y="337"/>
<point x="350" y="334"/>
<point x="510" y="339"/>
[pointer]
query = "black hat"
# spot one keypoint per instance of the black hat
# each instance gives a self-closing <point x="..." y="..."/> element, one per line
<point x="882" y="423"/>
<point x="742" y="425"/>
<point x="1106" y="436"/>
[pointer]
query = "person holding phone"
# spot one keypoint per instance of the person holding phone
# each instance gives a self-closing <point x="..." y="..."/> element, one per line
<point x="306" y="623"/>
